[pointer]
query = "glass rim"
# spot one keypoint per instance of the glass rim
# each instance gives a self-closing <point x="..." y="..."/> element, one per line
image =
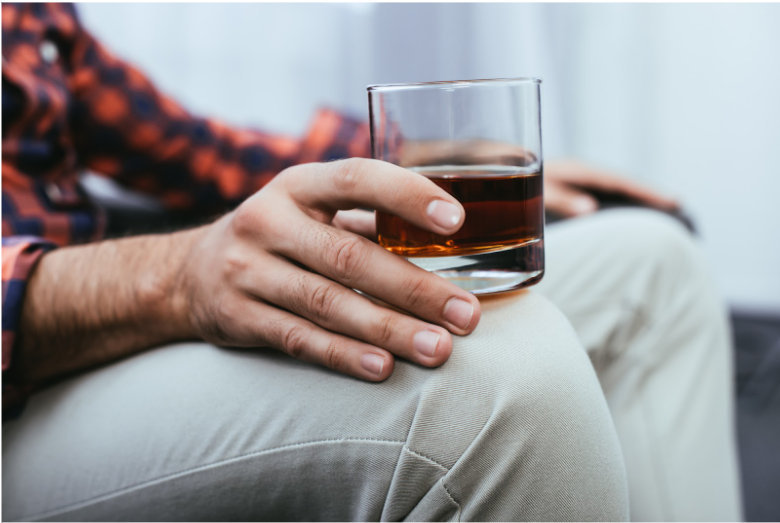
<point x="453" y="83"/>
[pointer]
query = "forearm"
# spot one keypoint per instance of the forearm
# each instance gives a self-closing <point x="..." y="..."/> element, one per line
<point x="273" y="273"/>
<point x="92" y="304"/>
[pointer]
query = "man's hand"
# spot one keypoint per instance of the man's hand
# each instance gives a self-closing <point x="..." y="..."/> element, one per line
<point x="277" y="273"/>
<point x="569" y="189"/>
<point x="274" y="273"/>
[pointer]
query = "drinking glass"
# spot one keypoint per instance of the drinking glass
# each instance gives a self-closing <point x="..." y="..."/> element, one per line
<point x="479" y="140"/>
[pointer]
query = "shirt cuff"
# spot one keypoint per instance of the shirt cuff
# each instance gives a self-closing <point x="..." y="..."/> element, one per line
<point x="20" y="256"/>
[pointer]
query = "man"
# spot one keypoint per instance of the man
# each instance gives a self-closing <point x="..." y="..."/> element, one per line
<point x="514" y="425"/>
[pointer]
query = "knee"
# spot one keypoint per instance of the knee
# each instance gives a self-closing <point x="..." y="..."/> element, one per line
<point x="537" y="371"/>
<point x="523" y="412"/>
<point x="655" y="241"/>
<point x="523" y="362"/>
<point x="665" y="271"/>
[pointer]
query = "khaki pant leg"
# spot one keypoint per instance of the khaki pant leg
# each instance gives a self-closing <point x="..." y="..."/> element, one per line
<point x="513" y="427"/>
<point x="640" y="295"/>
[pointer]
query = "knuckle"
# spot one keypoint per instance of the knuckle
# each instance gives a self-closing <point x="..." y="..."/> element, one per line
<point x="235" y="263"/>
<point x="347" y="257"/>
<point x="334" y="356"/>
<point x="323" y="302"/>
<point x="245" y="221"/>
<point x="348" y="175"/>
<point x="295" y="341"/>
<point x="417" y="187"/>
<point x="297" y="291"/>
<point x="416" y="292"/>
<point x="386" y="328"/>
<point x="289" y="175"/>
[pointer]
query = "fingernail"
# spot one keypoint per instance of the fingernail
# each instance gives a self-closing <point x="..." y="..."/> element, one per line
<point x="458" y="312"/>
<point x="444" y="214"/>
<point x="373" y="363"/>
<point x="425" y="342"/>
<point x="583" y="205"/>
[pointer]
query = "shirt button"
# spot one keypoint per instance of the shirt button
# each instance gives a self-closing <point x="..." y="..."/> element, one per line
<point x="53" y="192"/>
<point x="49" y="52"/>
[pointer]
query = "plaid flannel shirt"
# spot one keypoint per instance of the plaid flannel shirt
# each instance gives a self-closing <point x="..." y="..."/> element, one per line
<point x="69" y="105"/>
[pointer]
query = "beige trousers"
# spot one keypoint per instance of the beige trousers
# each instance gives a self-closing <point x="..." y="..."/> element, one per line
<point x="515" y="426"/>
<point x="640" y="295"/>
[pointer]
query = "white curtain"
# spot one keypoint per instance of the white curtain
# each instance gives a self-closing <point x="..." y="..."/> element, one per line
<point x="266" y="65"/>
<point x="683" y="97"/>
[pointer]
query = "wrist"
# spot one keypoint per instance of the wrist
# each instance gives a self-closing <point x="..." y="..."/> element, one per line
<point x="90" y="304"/>
<point x="166" y="288"/>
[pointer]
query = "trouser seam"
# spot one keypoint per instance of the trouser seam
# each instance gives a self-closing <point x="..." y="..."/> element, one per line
<point x="426" y="458"/>
<point x="449" y="470"/>
<point x="172" y="475"/>
<point x="658" y="468"/>
<point x="650" y="321"/>
<point x="452" y="498"/>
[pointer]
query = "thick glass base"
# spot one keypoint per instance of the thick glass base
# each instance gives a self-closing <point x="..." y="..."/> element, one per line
<point x="491" y="272"/>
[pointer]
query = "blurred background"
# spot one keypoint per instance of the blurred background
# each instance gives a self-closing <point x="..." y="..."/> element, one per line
<point x="684" y="97"/>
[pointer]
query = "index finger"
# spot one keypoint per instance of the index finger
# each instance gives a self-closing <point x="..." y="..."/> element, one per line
<point x="360" y="182"/>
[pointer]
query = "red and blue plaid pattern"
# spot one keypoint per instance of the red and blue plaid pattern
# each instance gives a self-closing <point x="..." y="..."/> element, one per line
<point x="69" y="105"/>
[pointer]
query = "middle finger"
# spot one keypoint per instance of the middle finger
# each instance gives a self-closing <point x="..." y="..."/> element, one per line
<point x="358" y="263"/>
<point x="342" y="310"/>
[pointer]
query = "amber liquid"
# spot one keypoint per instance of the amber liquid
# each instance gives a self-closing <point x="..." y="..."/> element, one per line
<point x="504" y="209"/>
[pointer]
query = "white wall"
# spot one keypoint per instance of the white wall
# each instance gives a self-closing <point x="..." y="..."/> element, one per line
<point x="266" y="65"/>
<point x="685" y="97"/>
<point x="688" y="97"/>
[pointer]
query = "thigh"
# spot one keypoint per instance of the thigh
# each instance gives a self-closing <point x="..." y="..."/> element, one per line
<point x="640" y="294"/>
<point x="193" y="431"/>
<point x="604" y="271"/>
<point x="196" y="432"/>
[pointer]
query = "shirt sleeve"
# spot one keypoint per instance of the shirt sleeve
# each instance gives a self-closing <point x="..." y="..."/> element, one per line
<point x="126" y="129"/>
<point x="20" y="255"/>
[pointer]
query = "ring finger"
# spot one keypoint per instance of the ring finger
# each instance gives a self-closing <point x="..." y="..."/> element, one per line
<point x="339" y="309"/>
